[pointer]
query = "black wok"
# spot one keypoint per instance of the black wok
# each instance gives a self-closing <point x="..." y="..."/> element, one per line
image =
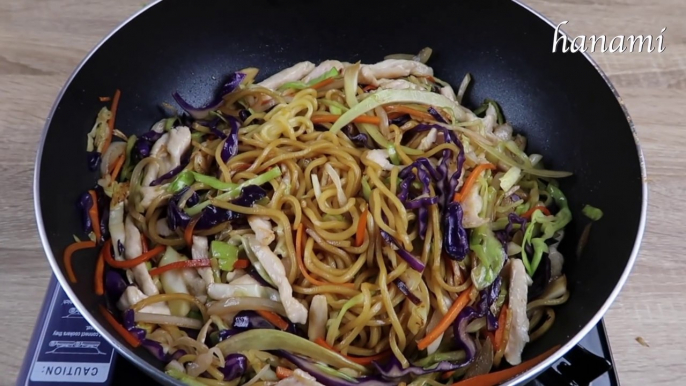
<point x="561" y="102"/>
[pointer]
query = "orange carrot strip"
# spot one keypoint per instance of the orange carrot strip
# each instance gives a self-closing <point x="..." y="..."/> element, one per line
<point x="527" y="215"/>
<point x="180" y="265"/>
<point x="498" y="377"/>
<point x="133" y="262"/>
<point x="188" y="233"/>
<point x="241" y="264"/>
<point x="409" y="110"/>
<point x="128" y="337"/>
<point x="323" y="343"/>
<point x="117" y="167"/>
<point x="110" y="122"/>
<point x="274" y="319"/>
<point x="361" y="228"/>
<point x="323" y="83"/>
<point x="105" y="99"/>
<point x="93" y="214"/>
<point x="299" y="241"/>
<point x="69" y="251"/>
<point x="283" y="373"/>
<point x="471" y="179"/>
<point x="359" y="360"/>
<point x="99" y="278"/>
<point x="500" y="332"/>
<point x="447" y="319"/>
<point x="330" y="118"/>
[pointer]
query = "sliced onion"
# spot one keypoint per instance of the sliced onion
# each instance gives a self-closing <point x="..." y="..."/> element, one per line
<point x="350" y="84"/>
<point x="383" y="126"/>
<point x="423" y="55"/>
<point x="113" y="152"/>
<point x="236" y="304"/>
<point x="258" y="376"/>
<point x="179" y="321"/>
<point x="463" y="87"/>
<point x="342" y="200"/>
<point x="201" y="363"/>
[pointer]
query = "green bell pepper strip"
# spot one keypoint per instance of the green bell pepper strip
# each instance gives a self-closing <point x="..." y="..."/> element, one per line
<point x="225" y="253"/>
<point x="592" y="212"/>
<point x="183" y="179"/>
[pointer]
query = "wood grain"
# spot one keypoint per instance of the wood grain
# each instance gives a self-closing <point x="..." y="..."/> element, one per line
<point x="42" y="41"/>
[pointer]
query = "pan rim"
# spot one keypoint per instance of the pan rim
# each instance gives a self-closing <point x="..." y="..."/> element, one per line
<point x="159" y="375"/>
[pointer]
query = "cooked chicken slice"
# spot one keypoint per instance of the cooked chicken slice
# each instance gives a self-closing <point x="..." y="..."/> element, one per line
<point x="291" y="74"/>
<point x="262" y="228"/>
<point x="322" y="69"/>
<point x="519" y="330"/>
<point x="168" y="151"/>
<point x="295" y="311"/>
<point x="133" y="248"/>
<point x="200" y="250"/>
<point x="133" y="295"/>
<point x="116" y="226"/>
<point x="392" y="69"/>
<point x="399" y="84"/>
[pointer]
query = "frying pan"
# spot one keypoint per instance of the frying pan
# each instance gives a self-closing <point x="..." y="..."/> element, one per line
<point x="562" y="102"/>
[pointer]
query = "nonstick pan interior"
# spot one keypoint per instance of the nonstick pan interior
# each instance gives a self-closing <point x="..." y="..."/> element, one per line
<point x="559" y="101"/>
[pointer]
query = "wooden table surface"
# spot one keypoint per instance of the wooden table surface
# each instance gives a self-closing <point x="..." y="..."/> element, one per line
<point x="41" y="42"/>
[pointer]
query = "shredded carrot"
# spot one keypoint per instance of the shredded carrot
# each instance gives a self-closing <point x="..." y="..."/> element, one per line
<point x="188" y="233"/>
<point x="69" y="251"/>
<point x="320" y="341"/>
<point x="274" y="319"/>
<point x="110" y="122"/>
<point x="128" y="337"/>
<point x="299" y="244"/>
<point x="369" y="87"/>
<point x="409" y="110"/>
<point x="283" y="373"/>
<point x="181" y="264"/>
<point x="117" y="167"/>
<point x="133" y="262"/>
<point x="241" y="264"/>
<point x="361" y="228"/>
<point x="447" y="319"/>
<point x="105" y="99"/>
<point x="99" y="278"/>
<point x="498" y="377"/>
<point x="330" y="118"/>
<point x="471" y="180"/>
<point x="500" y="332"/>
<point x="144" y="243"/>
<point x="359" y="360"/>
<point x="93" y="214"/>
<point x="530" y="212"/>
<point x="323" y="83"/>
